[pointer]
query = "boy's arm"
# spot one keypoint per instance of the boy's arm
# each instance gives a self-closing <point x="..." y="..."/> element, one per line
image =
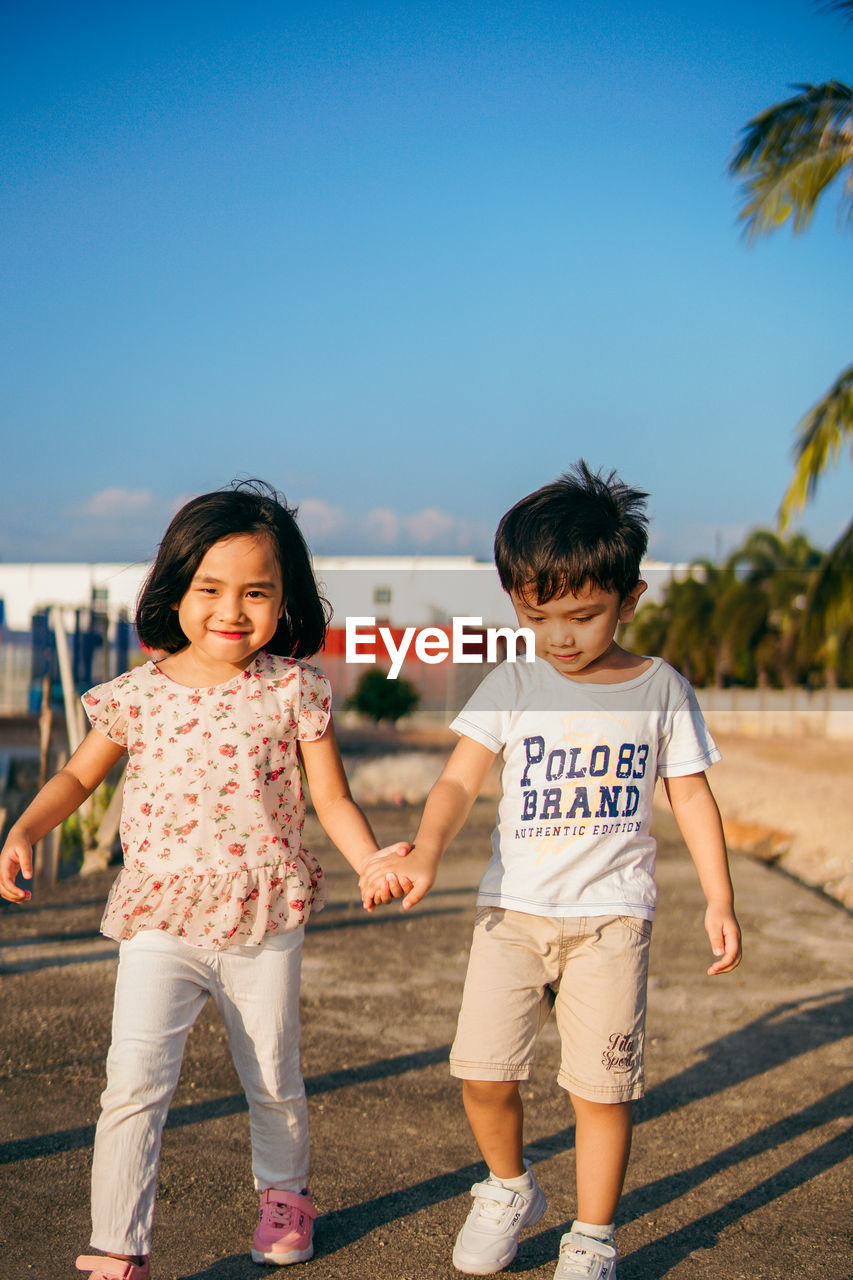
<point x="339" y="815"/>
<point x="448" y="805"/>
<point x="699" y="822"/>
<point x="57" y="800"/>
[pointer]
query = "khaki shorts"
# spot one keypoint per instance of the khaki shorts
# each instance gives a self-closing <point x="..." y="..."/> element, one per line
<point x="591" y="970"/>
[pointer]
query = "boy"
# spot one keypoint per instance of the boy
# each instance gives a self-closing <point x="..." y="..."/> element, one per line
<point x="567" y="900"/>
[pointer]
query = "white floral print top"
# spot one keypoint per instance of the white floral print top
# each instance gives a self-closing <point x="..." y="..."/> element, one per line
<point x="213" y="806"/>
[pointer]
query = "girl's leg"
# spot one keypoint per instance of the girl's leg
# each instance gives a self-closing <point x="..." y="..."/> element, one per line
<point x="258" y="998"/>
<point x="160" y="988"/>
<point x="602" y="1147"/>
<point x="496" y="1116"/>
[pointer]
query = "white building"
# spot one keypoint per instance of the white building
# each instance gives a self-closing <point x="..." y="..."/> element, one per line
<point x="399" y="590"/>
<point x="395" y="591"/>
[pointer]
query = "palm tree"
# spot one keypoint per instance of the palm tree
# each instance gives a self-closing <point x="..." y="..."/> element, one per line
<point x="828" y="630"/>
<point x="681" y="628"/>
<point x="789" y="155"/>
<point x="761" y="615"/>
<point x="742" y="622"/>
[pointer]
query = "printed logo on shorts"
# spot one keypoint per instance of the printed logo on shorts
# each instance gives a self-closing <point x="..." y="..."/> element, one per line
<point x="620" y="1053"/>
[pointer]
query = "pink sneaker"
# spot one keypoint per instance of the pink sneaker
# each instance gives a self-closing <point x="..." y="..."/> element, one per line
<point x="113" y="1268"/>
<point x="285" y="1228"/>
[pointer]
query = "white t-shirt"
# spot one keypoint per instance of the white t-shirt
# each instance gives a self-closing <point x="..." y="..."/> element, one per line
<point x="580" y="763"/>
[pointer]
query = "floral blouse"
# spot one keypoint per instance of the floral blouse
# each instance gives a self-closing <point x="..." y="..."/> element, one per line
<point x="213" y="805"/>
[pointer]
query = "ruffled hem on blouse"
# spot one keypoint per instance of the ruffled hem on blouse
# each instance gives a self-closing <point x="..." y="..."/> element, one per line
<point x="228" y="909"/>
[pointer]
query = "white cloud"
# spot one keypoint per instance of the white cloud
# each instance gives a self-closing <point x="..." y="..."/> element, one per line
<point x="334" y="530"/>
<point x="384" y="525"/>
<point x="319" y="519"/>
<point x="115" y="523"/>
<point x="119" y="523"/>
<point x="117" y="501"/>
<point x="432" y="526"/>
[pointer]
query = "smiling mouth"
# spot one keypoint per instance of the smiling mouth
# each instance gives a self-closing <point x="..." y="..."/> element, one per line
<point x="231" y="635"/>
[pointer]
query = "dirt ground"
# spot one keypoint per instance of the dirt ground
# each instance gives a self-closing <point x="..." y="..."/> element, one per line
<point x="788" y="799"/>
<point x="742" y="1157"/>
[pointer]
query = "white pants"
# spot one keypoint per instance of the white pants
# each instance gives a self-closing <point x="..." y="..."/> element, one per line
<point x="161" y="987"/>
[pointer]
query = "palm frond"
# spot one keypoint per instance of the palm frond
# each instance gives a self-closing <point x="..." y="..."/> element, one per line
<point x="830" y="599"/>
<point x="820" y="437"/>
<point x="839" y="6"/>
<point x="790" y="153"/>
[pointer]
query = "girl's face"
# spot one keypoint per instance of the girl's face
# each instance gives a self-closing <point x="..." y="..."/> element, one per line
<point x="233" y="604"/>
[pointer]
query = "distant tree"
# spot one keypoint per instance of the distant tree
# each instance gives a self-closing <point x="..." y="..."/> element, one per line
<point x="382" y="699"/>
<point x="827" y="632"/>
<point x="789" y="156"/>
<point x="761" y="614"/>
<point x="681" y="627"/>
<point x="743" y="622"/>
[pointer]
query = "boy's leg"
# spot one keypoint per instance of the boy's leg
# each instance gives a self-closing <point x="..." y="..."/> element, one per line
<point x="506" y="1000"/>
<point x="496" y="1116"/>
<point x="510" y="1199"/>
<point x="601" y="1014"/>
<point x="602" y="1147"/>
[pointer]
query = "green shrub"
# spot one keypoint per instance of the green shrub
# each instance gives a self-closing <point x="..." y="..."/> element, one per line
<point x="383" y="699"/>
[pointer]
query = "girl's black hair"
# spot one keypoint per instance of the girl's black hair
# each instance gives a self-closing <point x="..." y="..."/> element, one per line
<point x="247" y="506"/>
<point x="584" y="528"/>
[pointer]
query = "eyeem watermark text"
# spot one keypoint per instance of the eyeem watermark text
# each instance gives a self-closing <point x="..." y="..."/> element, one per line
<point x="433" y="645"/>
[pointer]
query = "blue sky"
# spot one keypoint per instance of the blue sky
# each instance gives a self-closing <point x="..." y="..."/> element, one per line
<point x="407" y="263"/>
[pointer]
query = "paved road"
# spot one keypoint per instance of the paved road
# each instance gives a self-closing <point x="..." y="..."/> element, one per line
<point x="742" y="1156"/>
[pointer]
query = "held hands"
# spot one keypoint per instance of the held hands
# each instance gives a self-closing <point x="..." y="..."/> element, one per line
<point x="380" y="880"/>
<point x="17" y="856"/>
<point x="724" y="934"/>
<point x="378" y="883"/>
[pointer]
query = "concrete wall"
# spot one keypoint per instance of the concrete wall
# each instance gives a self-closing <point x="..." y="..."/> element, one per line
<point x="825" y="713"/>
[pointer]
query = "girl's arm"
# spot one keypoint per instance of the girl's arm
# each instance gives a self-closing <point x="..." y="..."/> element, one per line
<point x="448" y="805"/>
<point x="699" y="822"/>
<point x="56" y="801"/>
<point x="340" y="816"/>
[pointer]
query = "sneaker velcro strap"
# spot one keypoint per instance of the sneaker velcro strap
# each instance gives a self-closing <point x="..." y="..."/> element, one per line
<point x="493" y="1191"/>
<point x="591" y="1243"/>
<point x="303" y="1203"/>
<point x="113" y="1268"/>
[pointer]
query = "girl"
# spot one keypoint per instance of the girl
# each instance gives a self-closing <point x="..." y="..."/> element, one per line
<point x="216" y="886"/>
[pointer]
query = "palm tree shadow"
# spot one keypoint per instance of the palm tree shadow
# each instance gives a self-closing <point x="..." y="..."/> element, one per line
<point x="237" y="1266"/>
<point x="658" y="1257"/>
<point x="769" y="1041"/>
<point x="778" y="1036"/>
<point x="786" y="1032"/>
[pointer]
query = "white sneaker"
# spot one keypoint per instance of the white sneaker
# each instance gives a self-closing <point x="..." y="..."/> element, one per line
<point x="585" y="1258"/>
<point x="488" y="1241"/>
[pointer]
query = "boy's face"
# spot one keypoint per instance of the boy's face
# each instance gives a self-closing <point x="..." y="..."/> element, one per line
<point x="575" y="633"/>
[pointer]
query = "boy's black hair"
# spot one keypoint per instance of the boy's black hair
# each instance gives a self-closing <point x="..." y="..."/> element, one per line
<point x="247" y="506"/>
<point x="582" y="529"/>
